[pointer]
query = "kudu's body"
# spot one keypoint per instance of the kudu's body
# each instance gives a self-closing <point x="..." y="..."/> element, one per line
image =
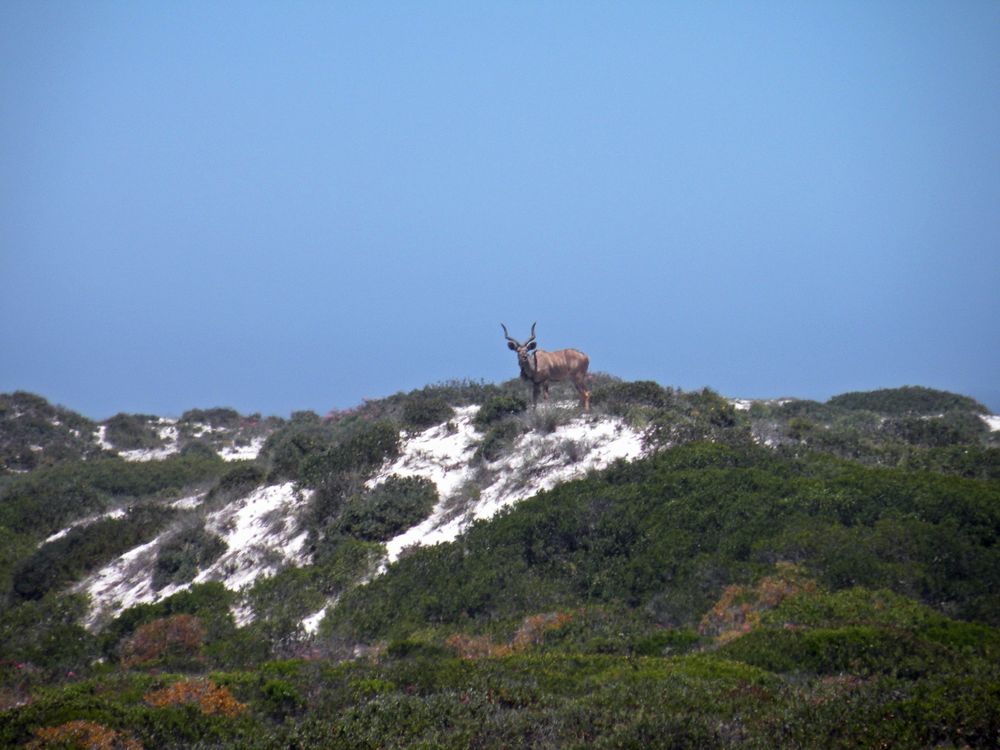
<point x="541" y="368"/>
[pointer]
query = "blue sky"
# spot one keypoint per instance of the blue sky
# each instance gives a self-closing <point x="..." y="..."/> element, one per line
<point x="279" y="206"/>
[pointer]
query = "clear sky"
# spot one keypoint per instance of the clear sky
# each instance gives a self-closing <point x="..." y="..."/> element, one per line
<point x="296" y="205"/>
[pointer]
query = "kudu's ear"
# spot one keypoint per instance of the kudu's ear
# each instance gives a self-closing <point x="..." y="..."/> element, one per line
<point x="512" y="346"/>
<point x="531" y="346"/>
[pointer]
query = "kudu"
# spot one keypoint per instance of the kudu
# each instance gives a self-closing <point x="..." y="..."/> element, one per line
<point x="541" y="368"/>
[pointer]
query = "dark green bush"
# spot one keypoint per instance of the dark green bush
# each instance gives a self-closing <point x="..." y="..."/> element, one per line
<point x="34" y="433"/>
<point x="47" y="634"/>
<point x="857" y="650"/>
<point x="364" y="451"/>
<point x="240" y="480"/>
<point x="286" y="449"/>
<point x="45" y="500"/>
<point x="954" y="428"/>
<point x="498" y="407"/>
<point x="132" y="432"/>
<point x="618" y="398"/>
<point x="389" y="508"/>
<point x="908" y="400"/>
<point x="84" y="549"/>
<point x="498" y="440"/>
<point x="181" y="556"/>
<point x="421" y="411"/>
<point x="216" y="417"/>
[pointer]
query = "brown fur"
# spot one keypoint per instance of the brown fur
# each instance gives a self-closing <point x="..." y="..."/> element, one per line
<point x="541" y="368"/>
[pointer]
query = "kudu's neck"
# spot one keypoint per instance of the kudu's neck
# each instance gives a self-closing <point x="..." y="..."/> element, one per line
<point x="529" y="365"/>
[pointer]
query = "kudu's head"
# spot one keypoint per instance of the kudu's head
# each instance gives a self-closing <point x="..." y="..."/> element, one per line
<point x="523" y="350"/>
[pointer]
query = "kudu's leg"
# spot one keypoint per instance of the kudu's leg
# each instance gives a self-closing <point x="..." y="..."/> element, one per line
<point x="581" y="387"/>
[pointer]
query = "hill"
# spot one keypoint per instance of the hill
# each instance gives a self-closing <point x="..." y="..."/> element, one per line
<point x="448" y="567"/>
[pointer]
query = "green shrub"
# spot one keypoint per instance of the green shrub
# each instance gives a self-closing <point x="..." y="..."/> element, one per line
<point x="216" y="417"/>
<point x="498" y="440"/>
<point x="856" y="650"/>
<point x="46" y="633"/>
<point x="285" y="450"/>
<point x="34" y="433"/>
<point x="85" y="548"/>
<point x="132" y="432"/>
<point x="908" y="400"/>
<point x="365" y="451"/>
<point x="239" y="481"/>
<point x="496" y="408"/>
<point x="423" y="410"/>
<point x="619" y="398"/>
<point x="209" y="602"/>
<point x="954" y="428"/>
<point x="389" y="508"/>
<point x="181" y="556"/>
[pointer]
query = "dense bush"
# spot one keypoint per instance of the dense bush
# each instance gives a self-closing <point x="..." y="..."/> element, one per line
<point x="46" y="634"/>
<point x="953" y="428"/>
<point x="908" y="400"/>
<point x="362" y="452"/>
<point x="498" y="439"/>
<point x="285" y="449"/>
<point x="184" y="553"/>
<point x="310" y="451"/>
<point x="419" y="696"/>
<point x="425" y="411"/>
<point x="238" y="481"/>
<point x="45" y="500"/>
<point x="217" y="417"/>
<point x="176" y="642"/>
<point x="34" y="433"/>
<point x="619" y="398"/>
<point x="390" y="507"/>
<point x="131" y="432"/>
<point x="495" y="409"/>
<point x="210" y="603"/>
<point x="85" y="548"/>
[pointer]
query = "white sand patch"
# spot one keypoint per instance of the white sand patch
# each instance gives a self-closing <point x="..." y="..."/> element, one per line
<point x="741" y="404"/>
<point x="188" y="503"/>
<point x="992" y="421"/>
<point x="536" y="462"/>
<point x="311" y="623"/>
<point x="440" y="454"/>
<point x="121" y="584"/>
<point x="101" y="436"/>
<point x="262" y="534"/>
<point x="243" y="452"/>
<point x="116" y="513"/>
<point x="150" y="454"/>
<point x="166" y="430"/>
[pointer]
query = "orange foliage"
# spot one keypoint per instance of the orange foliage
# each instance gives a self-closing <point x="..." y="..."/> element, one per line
<point x="210" y="698"/>
<point x="82" y="735"/>
<point x="530" y="633"/>
<point x="177" y="636"/>
<point x="739" y="608"/>
<point x="533" y="628"/>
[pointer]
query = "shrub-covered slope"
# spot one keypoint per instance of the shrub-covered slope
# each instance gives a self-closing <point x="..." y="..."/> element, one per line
<point x="667" y="533"/>
<point x="783" y="573"/>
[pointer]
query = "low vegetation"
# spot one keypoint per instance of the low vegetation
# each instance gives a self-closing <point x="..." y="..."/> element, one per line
<point x="792" y="574"/>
